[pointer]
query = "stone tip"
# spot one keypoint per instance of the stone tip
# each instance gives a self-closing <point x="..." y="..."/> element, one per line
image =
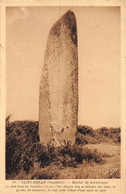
<point x="69" y="15"/>
<point x="68" y="20"/>
<point x="69" y="12"/>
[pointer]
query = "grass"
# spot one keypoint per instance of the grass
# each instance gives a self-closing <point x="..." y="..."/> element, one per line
<point x="86" y="135"/>
<point x="26" y="158"/>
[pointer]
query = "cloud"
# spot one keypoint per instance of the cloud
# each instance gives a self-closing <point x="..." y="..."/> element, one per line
<point x="15" y="13"/>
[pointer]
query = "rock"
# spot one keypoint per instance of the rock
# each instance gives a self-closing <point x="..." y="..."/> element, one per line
<point x="58" y="102"/>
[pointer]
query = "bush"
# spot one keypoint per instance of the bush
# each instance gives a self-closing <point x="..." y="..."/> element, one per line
<point x="112" y="134"/>
<point x="21" y="138"/>
<point x="93" y="155"/>
<point x="85" y="130"/>
<point x="73" y="154"/>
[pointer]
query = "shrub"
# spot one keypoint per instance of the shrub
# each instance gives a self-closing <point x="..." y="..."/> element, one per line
<point x="85" y="130"/>
<point x="112" y="134"/>
<point x="73" y="154"/>
<point x="92" y="155"/>
<point x="19" y="145"/>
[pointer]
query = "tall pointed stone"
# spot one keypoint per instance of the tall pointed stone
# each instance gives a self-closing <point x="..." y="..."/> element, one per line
<point x="58" y="103"/>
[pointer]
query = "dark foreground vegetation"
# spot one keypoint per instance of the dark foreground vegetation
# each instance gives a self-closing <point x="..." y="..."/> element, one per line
<point x="24" y="153"/>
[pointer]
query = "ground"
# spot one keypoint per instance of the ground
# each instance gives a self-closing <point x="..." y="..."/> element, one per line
<point x="110" y="168"/>
<point x="95" y="155"/>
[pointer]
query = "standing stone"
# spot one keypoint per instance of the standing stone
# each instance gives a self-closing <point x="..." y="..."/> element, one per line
<point x="58" y="102"/>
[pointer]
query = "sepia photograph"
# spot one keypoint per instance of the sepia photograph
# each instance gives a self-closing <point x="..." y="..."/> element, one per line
<point x="63" y="92"/>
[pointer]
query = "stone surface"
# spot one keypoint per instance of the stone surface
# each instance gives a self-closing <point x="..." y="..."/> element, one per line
<point x="58" y="103"/>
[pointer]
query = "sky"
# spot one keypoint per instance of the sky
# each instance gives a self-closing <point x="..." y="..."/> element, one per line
<point x="98" y="30"/>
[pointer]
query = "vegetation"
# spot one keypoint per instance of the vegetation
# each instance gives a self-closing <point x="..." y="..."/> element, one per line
<point x="24" y="151"/>
<point x="86" y="135"/>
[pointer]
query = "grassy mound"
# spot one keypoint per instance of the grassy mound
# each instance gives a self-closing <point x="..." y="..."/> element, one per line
<point x="86" y="134"/>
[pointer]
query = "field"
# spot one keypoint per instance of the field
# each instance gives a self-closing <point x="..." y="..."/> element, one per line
<point x="95" y="154"/>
